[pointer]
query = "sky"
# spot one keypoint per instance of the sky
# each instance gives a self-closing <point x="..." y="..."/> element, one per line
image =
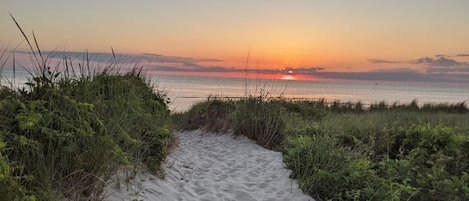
<point x="399" y="40"/>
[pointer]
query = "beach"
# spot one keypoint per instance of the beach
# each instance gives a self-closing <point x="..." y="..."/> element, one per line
<point x="207" y="166"/>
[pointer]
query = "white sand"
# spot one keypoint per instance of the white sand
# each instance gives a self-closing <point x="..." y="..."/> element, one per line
<point x="208" y="167"/>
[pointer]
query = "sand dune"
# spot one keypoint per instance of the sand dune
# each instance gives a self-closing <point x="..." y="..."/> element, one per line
<point x="208" y="167"/>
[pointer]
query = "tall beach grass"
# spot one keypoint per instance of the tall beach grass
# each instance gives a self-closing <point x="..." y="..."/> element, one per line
<point x="68" y="131"/>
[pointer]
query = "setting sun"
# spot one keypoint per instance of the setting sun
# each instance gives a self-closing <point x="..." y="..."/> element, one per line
<point x="288" y="77"/>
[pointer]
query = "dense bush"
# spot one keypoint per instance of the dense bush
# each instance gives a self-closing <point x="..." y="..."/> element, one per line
<point x="63" y="137"/>
<point x="261" y="120"/>
<point x="415" y="106"/>
<point x="10" y="186"/>
<point x="328" y="170"/>
<point x="311" y="110"/>
<point x="137" y="117"/>
<point x="213" y="115"/>
<point x="417" y="163"/>
<point x="439" y="162"/>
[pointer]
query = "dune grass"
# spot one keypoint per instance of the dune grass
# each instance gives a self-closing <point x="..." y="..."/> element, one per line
<point x="66" y="139"/>
<point x="402" y="155"/>
<point x="211" y="115"/>
<point x="67" y="132"/>
<point x="261" y="120"/>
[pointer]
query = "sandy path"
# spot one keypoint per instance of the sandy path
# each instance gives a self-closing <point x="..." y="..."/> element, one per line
<point x="209" y="167"/>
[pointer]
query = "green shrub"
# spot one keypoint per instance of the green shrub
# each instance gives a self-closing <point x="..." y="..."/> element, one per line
<point x="135" y="116"/>
<point x="11" y="174"/>
<point x="10" y="188"/>
<point x="66" y="133"/>
<point x="59" y="141"/>
<point x="439" y="159"/>
<point x="427" y="107"/>
<point x="212" y="115"/>
<point x="309" y="110"/>
<point x="327" y="170"/>
<point x="66" y="142"/>
<point x="315" y="162"/>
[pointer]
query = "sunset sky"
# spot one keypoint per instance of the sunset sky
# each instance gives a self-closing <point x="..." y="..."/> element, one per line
<point x="423" y="40"/>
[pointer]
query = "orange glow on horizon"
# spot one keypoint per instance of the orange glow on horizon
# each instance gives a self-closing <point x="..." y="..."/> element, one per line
<point x="236" y="75"/>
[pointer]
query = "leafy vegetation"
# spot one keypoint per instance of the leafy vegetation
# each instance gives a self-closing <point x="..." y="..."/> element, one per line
<point x="211" y="115"/>
<point x="260" y="120"/>
<point x="67" y="132"/>
<point x="64" y="139"/>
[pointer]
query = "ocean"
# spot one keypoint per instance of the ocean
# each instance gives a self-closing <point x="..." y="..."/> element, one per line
<point x="185" y="91"/>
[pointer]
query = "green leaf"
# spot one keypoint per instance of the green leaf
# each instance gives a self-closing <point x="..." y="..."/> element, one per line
<point x="28" y="121"/>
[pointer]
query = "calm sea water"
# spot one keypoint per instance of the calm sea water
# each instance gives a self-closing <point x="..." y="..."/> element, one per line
<point x="185" y="91"/>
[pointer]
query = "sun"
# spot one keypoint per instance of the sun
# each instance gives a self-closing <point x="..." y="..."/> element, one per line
<point x="289" y="76"/>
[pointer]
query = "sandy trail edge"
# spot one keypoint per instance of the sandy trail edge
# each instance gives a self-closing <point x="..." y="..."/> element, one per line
<point x="208" y="167"/>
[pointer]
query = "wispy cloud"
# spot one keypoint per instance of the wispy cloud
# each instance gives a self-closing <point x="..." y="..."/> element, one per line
<point x="187" y="61"/>
<point x="305" y="70"/>
<point x="146" y="59"/>
<point x="400" y="75"/>
<point x="382" y="61"/>
<point x="440" y="61"/>
<point x="91" y="56"/>
<point x="389" y="75"/>
<point x="446" y="69"/>
<point x="193" y="69"/>
<point x="457" y="55"/>
<point x="442" y="65"/>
